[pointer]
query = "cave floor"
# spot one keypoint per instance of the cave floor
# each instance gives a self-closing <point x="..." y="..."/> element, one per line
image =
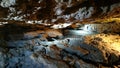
<point x="58" y="48"/>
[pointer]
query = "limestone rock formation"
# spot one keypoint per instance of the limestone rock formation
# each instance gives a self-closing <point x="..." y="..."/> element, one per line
<point x="58" y="11"/>
<point x="60" y="34"/>
<point x="57" y="48"/>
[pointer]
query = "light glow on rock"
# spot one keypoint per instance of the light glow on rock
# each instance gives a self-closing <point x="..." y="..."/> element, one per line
<point x="1" y="23"/>
<point x="57" y="26"/>
<point x="7" y="3"/>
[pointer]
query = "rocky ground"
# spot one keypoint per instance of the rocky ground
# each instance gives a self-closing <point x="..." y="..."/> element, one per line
<point x="57" y="48"/>
<point x="60" y="34"/>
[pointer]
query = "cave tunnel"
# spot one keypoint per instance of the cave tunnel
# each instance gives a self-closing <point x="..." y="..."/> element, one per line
<point x="60" y="34"/>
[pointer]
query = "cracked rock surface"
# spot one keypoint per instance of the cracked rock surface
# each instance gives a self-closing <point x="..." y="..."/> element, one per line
<point x="52" y="48"/>
<point x="58" y="11"/>
<point x="60" y="34"/>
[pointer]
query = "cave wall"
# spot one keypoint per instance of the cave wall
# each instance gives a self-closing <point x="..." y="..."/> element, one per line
<point x="75" y="46"/>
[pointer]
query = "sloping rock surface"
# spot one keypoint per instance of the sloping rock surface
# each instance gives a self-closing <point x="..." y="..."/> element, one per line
<point x="53" y="48"/>
<point x="44" y="44"/>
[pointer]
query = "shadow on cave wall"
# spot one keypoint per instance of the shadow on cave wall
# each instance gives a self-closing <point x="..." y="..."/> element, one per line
<point x="16" y="31"/>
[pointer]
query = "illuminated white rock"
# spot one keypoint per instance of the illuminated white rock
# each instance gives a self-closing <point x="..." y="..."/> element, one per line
<point x="7" y="3"/>
<point x="57" y="26"/>
<point x="58" y="11"/>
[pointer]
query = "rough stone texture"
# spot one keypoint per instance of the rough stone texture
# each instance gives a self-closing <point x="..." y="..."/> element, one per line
<point x="58" y="11"/>
<point x="59" y="38"/>
<point x="98" y="28"/>
<point x="35" y="50"/>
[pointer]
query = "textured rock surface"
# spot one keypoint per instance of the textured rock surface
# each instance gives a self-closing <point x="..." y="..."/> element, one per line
<point x="58" y="11"/>
<point x="59" y="38"/>
<point x="52" y="48"/>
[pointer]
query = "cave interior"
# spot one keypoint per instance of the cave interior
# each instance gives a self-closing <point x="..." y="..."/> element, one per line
<point x="60" y="34"/>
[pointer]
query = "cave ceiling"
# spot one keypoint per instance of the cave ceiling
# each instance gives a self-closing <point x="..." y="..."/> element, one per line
<point x="59" y="11"/>
<point x="60" y="34"/>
